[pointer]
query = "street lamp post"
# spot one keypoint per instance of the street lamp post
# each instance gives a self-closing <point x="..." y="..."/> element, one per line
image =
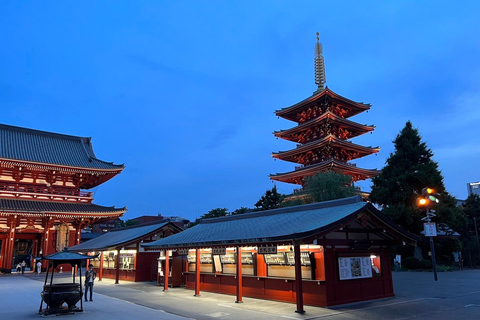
<point x="432" y="249"/>
<point x="430" y="228"/>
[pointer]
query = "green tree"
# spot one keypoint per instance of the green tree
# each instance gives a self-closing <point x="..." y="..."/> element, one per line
<point x="407" y="171"/>
<point x="323" y="186"/>
<point x="470" y="241"/>
<point x="471" y="210"/>
<point x="241" y="210"/>
<point x="215" y="213"/>
<point x="270" y="200"/>
<point x="328" y="185"/>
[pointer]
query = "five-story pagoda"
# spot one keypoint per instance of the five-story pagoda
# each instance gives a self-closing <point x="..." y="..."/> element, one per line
<point x="323" y="132"/>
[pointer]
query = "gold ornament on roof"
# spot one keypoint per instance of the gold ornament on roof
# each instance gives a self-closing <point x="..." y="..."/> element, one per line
<point x="320" y="78"/>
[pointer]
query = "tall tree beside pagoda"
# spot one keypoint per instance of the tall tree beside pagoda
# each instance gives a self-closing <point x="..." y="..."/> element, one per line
<point x="328" y="185"/>
<point x="323" y="186"/>
<point x="408" y="170"/>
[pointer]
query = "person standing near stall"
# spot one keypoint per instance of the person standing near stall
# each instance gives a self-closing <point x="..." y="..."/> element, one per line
<point x="90" y="276"/>
<point x="23" y="264"/>
<point x="39" y="267"/>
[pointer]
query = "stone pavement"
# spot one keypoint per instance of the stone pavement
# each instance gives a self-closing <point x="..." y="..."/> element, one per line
<point x="455" y="295"/>
<point x="20" y="299"/>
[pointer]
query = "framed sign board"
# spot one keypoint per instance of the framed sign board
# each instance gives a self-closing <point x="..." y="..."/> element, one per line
<point x="267" y="250"/>
<point x="182" y="252"/>
<point x="354" y="268"/>
<point x="219" y="251"/>
<point x="430" y="229"/>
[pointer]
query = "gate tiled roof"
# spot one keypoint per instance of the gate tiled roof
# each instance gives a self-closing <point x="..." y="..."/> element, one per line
<point x="24" y="144"/>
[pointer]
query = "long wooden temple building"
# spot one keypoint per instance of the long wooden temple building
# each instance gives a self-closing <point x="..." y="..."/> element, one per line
<point x="43" y="205"/>
<point x="322" y="133"/>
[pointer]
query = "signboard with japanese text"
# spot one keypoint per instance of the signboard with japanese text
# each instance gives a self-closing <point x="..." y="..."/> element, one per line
<point x="430" y="229"/>
<point x="355" y="268"/>
<point x="182" y="252"/>
<point x="219" y="251"/>
<point x="267" y="250"/>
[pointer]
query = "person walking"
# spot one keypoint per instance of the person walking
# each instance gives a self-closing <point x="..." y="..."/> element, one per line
<point x="397" y="263"/>
<point x="39" y="267"/>
<point x="23" y="264"/>
<point x="90" y="276"/>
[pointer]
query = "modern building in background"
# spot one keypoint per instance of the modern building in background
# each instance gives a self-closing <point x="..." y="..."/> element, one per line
<point x="473" y="188"/>
<point x="43" y="205"/>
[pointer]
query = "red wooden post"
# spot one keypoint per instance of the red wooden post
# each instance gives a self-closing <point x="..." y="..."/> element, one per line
<point x="117" y="267"/>
<point x="197" y="272"/>
<point x="77" y="235"/>
<point x="100" y="272"/>
<point x="239" y="275"/>
<point x="298" y="279"/>
<point x="166" y="271"/>
<point x="10" y="243"/>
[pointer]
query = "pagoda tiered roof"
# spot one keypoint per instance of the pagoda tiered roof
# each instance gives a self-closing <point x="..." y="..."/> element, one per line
<point x="50" y="149"/>
<point x="298" y="175"/>
<point x="346" y="107"/>
<point x="327" y="147"/>
<point x="322" y="133"/>
<point x="346" y="129"/>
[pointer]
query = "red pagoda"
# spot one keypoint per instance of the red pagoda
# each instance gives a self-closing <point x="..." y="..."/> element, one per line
<point x="43" y="206"/>
<point x="322" y="133"/>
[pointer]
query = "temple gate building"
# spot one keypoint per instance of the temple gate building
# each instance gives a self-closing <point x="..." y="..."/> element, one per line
<point x="43" y="206"/>
<point x="322" y="133"/>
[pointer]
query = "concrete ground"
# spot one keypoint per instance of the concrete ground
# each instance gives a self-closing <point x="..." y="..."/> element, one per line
<point x="455" y="295"/>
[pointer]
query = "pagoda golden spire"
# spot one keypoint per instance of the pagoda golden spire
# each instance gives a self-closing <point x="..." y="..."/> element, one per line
<point x="320" y="78"/>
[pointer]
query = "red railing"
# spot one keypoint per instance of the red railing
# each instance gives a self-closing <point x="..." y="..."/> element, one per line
<point x="43" y="190"/>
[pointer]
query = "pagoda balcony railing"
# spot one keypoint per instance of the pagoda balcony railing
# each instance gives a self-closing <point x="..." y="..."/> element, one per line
<point x="44" y="192"/>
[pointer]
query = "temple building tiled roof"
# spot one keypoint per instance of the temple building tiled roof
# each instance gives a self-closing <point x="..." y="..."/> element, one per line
<point x="23" y="144"/>
<point x="285" y="224"/>
<point x="121" y="237"/>
<point x="36" y="208"/>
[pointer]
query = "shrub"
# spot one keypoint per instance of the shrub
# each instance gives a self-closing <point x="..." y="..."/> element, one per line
<point x="425" y="264"/>
<point x="411" y="263"/>
<point x="446" y="259"/>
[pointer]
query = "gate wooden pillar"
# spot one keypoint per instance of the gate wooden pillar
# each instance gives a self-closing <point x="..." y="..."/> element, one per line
<point x="9" y="244"/>
<point x="46" y="224"/>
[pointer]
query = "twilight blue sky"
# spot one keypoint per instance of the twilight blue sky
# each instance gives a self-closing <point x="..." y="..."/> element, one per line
<point x="183" y="92"/>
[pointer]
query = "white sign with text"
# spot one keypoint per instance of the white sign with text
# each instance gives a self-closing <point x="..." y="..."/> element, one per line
<point x="355" y="268"/>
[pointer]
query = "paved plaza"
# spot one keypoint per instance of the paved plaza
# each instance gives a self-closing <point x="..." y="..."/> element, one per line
<point x="455" y="296"/>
